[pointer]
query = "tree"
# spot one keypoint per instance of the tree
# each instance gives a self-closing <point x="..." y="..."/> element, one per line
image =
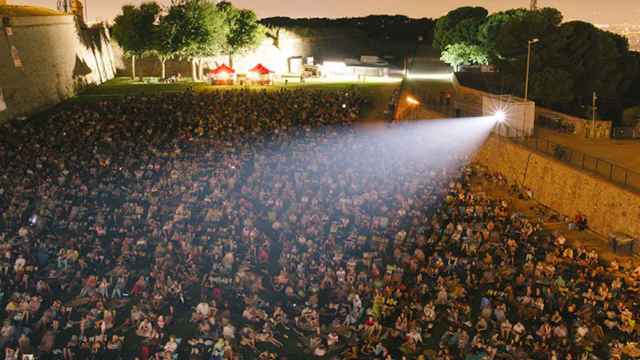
<point x="460" y="54"/>
<point x="632" y="93"/>
<point x="195" y="29"/>
<point x="456" y="25"/>
<point x="504" y="35"/>
<point x="376" y="27"/>
<point x="606" y="67"/>
<point x="569" y="64"/>
<point x="466" y="31"/>
<point x="162" y="46"/>
<point x="244" y="32"/>
<point x="551" y="87"/>
<point x="134" y="30"/>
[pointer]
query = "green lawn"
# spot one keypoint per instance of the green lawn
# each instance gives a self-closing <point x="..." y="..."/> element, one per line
<point x="377" y="93"/>
<point x="123" y="86"/>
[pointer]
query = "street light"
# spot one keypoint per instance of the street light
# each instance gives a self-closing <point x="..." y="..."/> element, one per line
<point x="526" y="81"/>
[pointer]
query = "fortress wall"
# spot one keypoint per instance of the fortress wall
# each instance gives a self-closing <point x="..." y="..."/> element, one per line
<point x="58" y="59"/>
<point x="568" y="190"/>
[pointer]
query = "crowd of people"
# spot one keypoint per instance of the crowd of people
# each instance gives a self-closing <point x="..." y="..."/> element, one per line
<point x="267" y="225"/>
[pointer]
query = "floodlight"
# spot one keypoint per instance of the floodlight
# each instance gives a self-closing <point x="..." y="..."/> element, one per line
<point x="500" y="116"/>
<point x="413" y="101"/>
<point x="429" y="76"/>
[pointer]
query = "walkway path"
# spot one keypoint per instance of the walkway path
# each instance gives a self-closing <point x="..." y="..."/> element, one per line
<point x="625" y="153"/>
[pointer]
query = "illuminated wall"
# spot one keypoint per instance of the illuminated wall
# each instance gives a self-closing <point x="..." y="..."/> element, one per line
<point x="564" y="188"/>
<point x="55" y="61"/>
<point x="272" y="53"/>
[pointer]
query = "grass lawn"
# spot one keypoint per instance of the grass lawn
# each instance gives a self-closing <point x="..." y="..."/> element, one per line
<point x="378" y="93"/>
<point x="122" y="86"/>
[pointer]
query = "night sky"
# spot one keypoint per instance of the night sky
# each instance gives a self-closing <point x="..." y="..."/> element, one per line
<point x="597" y="11"/>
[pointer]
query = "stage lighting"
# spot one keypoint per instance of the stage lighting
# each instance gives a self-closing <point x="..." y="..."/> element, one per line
<point x="500" y="116"/>
<point x="412" y="101"/>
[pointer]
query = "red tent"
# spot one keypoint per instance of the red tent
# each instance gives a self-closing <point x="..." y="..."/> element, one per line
<point x="222" y="69"/>
<point x="260" y="69"/>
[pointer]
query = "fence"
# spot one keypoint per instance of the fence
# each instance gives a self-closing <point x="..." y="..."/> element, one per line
<point x="625" y="133"/>
<point x="555" y="123"/>
<point x="617" y="174"/>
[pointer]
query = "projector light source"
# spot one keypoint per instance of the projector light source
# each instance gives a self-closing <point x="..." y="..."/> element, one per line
<point x="500" y="116"/>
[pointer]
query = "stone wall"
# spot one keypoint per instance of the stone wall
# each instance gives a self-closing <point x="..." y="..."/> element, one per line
<point x="58" y="59"/>
<point x="559" y="186"/>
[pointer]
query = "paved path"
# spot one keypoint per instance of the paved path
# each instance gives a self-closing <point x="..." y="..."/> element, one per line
<point x="625" y="153"/>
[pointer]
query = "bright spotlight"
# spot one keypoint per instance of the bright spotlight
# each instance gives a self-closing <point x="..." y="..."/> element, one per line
<point x="429" y="76"/>
<point x="412" y="101"/>
<point x="500" y="116"/>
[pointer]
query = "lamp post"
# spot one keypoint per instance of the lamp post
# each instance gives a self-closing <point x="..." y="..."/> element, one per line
<point x="526" y="79"/>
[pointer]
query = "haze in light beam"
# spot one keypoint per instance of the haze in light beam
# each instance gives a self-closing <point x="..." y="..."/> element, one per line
<point x="393" y="156"/>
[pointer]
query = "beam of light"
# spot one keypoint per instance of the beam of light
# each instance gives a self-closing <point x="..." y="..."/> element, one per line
<point x="513" y="115"/>
<point x="395" y="155"/>
<point x="429" y="76"/>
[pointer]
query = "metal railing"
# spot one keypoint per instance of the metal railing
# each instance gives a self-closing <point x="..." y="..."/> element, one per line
<point x="617" y="174"/>
<point x="625" y="133"/>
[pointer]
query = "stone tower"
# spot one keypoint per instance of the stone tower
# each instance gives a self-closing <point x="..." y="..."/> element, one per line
<point x="73" y="7"/>
<point x="77" y="9"/>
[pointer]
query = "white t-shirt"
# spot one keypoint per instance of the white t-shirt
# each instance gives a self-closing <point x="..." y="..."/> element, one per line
<point x="203" y="309"/>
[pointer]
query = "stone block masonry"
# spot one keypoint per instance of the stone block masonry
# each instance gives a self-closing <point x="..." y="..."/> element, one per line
<point x="57" y="58"/>
<point x="568" y="190"/>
